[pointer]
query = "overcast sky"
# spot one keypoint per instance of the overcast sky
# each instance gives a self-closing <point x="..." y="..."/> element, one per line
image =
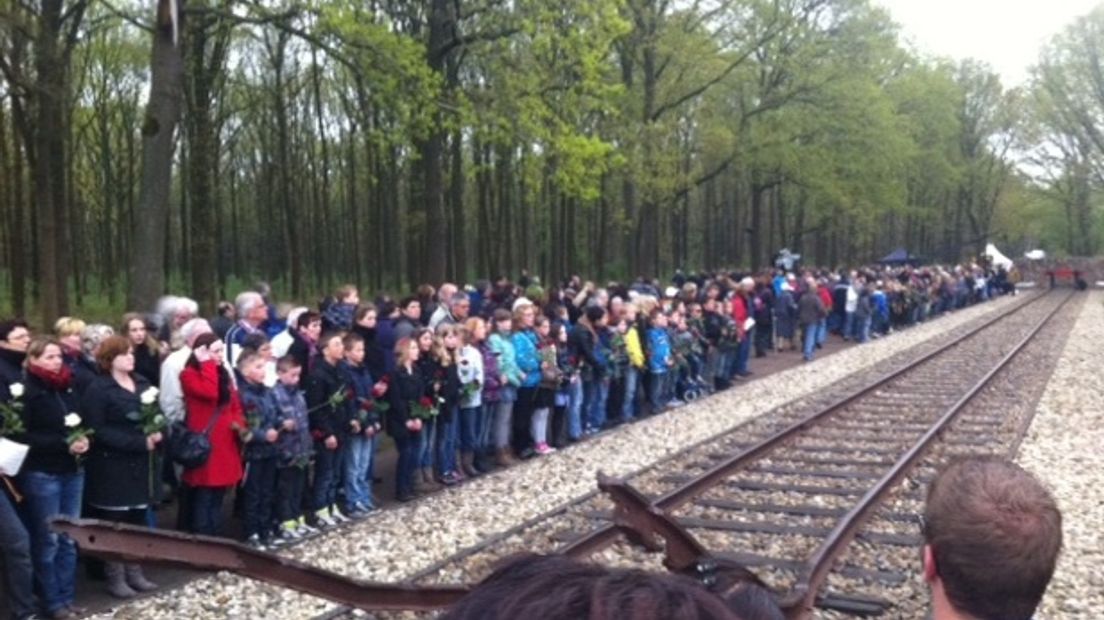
<point x="1007" y="34"/>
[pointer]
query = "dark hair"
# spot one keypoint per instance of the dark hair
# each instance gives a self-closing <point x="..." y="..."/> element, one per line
<point x="287" y="362"/>
<point x="743" y="591"/>
<point x="351" y="339"/>
<point x="406" y="301"/>
<point x="306" y="318"/>
<point x="206" y="340"/>
<point x="10" y="325"/>
<point x="995" y="533"/>
<point x="110" y="348"/>
<point x="324" y="341"/>
<point x="363" y="310"/>
<point x="558" y="588"/>
<point x="595" y="313"/>
<point x="255" y="341"/>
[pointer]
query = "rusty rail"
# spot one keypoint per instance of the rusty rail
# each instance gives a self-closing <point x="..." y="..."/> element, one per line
<point x="131" y="543"/>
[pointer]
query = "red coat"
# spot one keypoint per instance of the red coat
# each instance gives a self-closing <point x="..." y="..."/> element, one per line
<point x="200" y="387"/>
<point x="739" y="313"/>
<point x="826" y="297"/>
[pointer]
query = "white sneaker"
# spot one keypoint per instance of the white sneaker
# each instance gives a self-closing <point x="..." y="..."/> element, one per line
<point x="305" y="529"/>
<point x="324" y="518"/>
<point x="337" y="516"/>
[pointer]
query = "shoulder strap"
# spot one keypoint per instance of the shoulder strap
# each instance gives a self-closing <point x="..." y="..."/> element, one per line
<point x="214" y="418"/>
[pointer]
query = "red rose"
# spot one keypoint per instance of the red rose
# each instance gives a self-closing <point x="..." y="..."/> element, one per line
<point x="386" y="379"/>
<point x="426" y="402"/>
<point x="350" y="394"/>
<point x="366" y="405"/>
<point x="378" y="391"/>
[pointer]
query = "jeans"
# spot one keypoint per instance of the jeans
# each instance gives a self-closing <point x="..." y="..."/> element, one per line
<point x="326" y="464"/>
<point x="427" y="440"/>
<point x="407" y="447"/>
<point x="822" y="331"/>
<point x="260" y="496"/>
<point x="502" y="423"/>
<point x="538" y="426"/>
<point x="657" y="390"/>
<point x="595" y="394"/>
<point x="849" y="326"/>
<point x="207" y="510"/>
<point x="15" y="546"/>
<point x="575" y="408"/>
<point x="54" y="555"/>
<point x="810" y="335"/>
<point x="358" y="466"/>
<point x="628" y="404"/>
<point x="742" y="354"/>
<point x="290" y="484"/>
<point x="447" y="434"/>
<point x="863" y="327"/>
<point x="471" y="428"/>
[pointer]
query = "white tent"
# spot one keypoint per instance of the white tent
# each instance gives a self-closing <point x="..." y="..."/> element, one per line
<point x="995" y="257"/>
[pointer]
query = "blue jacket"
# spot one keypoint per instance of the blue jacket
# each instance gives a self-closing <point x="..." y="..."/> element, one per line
<point x="261" y="409"/>
<point x="360" y="380"/>
<point x="881" y="304"/>
<point x="659" y="350"/>
<point x="527" y="357"/>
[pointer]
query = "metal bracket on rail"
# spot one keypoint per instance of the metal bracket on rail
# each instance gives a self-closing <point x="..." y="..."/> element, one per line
<point x="643" y="523"/>
<point x="130" y="543"/>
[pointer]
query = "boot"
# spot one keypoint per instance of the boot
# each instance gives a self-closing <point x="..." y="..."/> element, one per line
<point x="430" y="482"/>
<point x="467" y="462"/>
<point x="116" y="581"/>
<point x="505" y="457"/>
<point x="420" y="484"/>
<point x="137" y="580"/>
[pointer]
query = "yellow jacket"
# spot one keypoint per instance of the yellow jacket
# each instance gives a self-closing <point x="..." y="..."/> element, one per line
<point x="632" y="345"/>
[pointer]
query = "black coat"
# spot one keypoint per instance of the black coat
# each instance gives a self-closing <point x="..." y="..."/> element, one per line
<point x="375" y="358"/>
<point x="300" y="351"/>
<point x="11" y="371"/>
<point x="44" y="411"/>
<point x="84" y="372"/>
<point x="326" y="419"/>
<point x="117" y="471"/>
<point x="405" y="388"/>
<point x="148" y="364"/>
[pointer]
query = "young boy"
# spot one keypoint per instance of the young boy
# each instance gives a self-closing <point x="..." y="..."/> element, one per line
<point x="329" y="425"/>
<point x="364" y="425"/>
<point x="294" y="450"/>
<point x="263" y="420"/>
<point x="660" y="360"/>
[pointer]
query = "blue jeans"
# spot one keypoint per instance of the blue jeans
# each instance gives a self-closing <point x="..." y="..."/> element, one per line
<point x="15" y="546"/>
<point x="358" y="468"/>
<point x="471" y="426"/>
<point x="657" y="390"/>
<point x="575" y="408"/>
<point x="628" y="405"/>
<point x="54" y="555"/>
<point x="427" y="438"/>
<point x="849" y="326"/>
<point x="447" y="433"/>
<point x="811" y="332"/>
<point x="596" y="394"/>
<point x="407" y="448"/>
<point x="326" y="471"/>
<point x="862" y="329"/>
<point x="822" y="331"/>
<point x="207" y="510"/>
<point x="260" y="496"/>
<point x="743" y="352"/>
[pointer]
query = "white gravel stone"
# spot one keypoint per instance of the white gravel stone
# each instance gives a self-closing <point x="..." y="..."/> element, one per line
<point x="1063" y="448"/>
<point x="396" y="543"/>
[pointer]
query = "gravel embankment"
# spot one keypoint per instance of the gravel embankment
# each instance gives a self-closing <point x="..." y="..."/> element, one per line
<point x="1063" y="448"/>
<point x="397" y="543"/>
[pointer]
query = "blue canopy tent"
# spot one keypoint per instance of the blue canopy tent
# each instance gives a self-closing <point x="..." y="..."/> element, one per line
<point x="900" y="256"/>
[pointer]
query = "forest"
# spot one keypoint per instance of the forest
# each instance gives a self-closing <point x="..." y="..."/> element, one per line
<point x="195" y="145"/>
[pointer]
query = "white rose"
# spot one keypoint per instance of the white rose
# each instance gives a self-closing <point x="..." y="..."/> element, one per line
<point x="16" y="390"/>
<point x="149" y="396"/>
<point x="72" y="420"/>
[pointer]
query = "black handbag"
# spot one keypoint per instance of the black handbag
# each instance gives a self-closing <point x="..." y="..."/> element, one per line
<point x="188" y="448"/>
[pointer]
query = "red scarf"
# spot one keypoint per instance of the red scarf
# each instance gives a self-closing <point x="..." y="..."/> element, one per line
<point x="58" y="381"/>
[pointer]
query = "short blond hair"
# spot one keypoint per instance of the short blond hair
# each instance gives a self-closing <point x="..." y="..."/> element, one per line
<point x="68" y="326"/>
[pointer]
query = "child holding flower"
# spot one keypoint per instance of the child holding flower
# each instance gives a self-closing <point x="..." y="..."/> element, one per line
<point x="260" y="433"/>
<point x="364" y="424"/>
<point x="294" y="448"/>
<point x="407" y="389"/>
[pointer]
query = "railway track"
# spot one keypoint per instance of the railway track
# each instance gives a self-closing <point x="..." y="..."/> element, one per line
<point x="820" y="503"/>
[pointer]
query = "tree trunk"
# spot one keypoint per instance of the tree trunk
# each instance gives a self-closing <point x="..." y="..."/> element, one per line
<point x="151" y="221"/>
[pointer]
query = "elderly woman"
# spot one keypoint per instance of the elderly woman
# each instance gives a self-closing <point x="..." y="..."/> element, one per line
<point x="52" y="479"/>
<point x="119" y="480"/>
<point x="85" y="368"/>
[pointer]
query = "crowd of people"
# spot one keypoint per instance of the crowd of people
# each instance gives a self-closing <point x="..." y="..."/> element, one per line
<point x="293" y="401"/>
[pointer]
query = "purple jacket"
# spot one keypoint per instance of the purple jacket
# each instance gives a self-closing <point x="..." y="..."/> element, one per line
<point x="491" y="383"/>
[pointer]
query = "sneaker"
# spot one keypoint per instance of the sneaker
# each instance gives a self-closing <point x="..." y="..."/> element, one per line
<point x="673" y="403"/>
<point x="305" y="528"/>
<point x="365" y="508"/>
<point x="337" y="516"/>
<point x="544" y="448"/>
<point x="254" y="541"/>
<point x="324" y="518"/>
<point x="450" y="479"/>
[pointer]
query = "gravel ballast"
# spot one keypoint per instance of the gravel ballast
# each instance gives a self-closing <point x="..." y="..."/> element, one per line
<point x="395" y="544"/>
<point x="1063" y="449"/>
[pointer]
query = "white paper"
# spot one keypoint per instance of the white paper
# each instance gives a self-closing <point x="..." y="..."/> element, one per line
<point x="12" y="455"/>
<point x="748" y="324"/>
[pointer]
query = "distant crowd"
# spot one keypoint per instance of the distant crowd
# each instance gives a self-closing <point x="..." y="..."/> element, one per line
<point x="290" y="403"/>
